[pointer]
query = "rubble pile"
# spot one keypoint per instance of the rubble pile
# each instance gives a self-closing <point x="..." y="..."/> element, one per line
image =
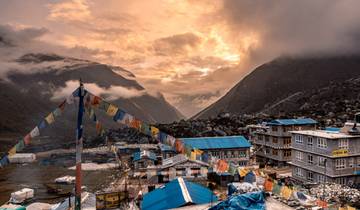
<point x="336" y="193"/>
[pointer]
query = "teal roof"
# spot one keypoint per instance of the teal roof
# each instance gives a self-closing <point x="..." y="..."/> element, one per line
<point x="299" y="121"/>
<point x="222" y="142"/>
<point x="177" y="193"/>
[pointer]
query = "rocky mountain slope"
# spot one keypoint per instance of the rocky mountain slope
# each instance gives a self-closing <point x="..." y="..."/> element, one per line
<point x="40" y="81"/>
<point x="290" y="86"/>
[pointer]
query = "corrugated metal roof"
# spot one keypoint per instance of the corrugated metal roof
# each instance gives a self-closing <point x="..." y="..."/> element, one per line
<point x="175" y="194"/>
<point x="332" y="129"/>
<point x="144" y="154"/>
<point x="222" y="142"/>
<point x="299" y="121"/>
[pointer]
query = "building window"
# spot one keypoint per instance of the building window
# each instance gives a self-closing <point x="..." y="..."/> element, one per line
<point x="287" y="153"/>
<point x="267" y="151"/>
<point x="299" y="172"/>
<point x="341" y="180"/>
<point x="242" y="163"/>
<point x="287" y="141"/>
<point x="309" y="141"/>
<point x="322" y="161"/>
<point x="298" y="139"/>
<point x="340" y="163"/>
<point x="321" y="143"/>
<point x="351" y="162"/>
<point x="343" y="143"/>
<point x="358" y="162"/>
<point x="266" y="138"/>
<point x="310" y="176"/>
<point x="242" y="154"/>
<point x="321" y="178"/>
<point x="275" y="152"/>
<point x="299" y="155"/>
<point x="274" y="128"/>
<point x="310" y="159"/>
<point x="275" y="140"/>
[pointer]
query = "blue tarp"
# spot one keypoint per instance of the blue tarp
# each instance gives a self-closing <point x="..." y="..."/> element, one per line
<point x="247" y="201"/>
<point x="177" y="193"/>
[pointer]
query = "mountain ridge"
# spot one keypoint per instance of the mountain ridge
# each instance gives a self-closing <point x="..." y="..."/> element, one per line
<point x="272" y="82"/>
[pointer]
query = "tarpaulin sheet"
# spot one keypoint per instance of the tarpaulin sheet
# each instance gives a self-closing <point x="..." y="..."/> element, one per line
<point x="247" y="201"/>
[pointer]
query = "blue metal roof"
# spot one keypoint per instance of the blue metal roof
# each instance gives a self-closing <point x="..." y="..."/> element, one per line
<point x="299" y="121"/>
<point x="175" y="194"/>
<point x="221" y="142"/>
<point x="139" y="155"/>
<point x="332" y="129"/>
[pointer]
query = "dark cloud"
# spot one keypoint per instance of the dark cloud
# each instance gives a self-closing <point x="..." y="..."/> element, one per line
<point x="296" y="27"/>
<point x="176" y="44"/>
<point x="10" y="36"/>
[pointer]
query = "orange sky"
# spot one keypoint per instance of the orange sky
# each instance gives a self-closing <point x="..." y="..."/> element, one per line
<point x="192" y="51"/>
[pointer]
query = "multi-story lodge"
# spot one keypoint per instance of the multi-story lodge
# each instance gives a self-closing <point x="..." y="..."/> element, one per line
<point x="273" y="141"/>
<point x="235" y="149"/>
<point x="327" y="155"/>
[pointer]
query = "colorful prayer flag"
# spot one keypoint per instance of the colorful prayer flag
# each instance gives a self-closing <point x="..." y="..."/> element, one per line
<point x="111" y="110"/>
<point x="154" y="131"/>
<point x="243" y="171"/>
<point x="98" y="127"/>
<point x="20" y="145"/>
<point x="42" y="125"/>
<point x="135" y="124"/>
<point x="179" y="146"/>
<point x="268" y="185"/>
<point x="4" y="161"/>
<point x="50" y="118"/>
<point x="57" y="112"/>
<point x="12" y="151"/>
<point x="96" y="101"/>
<point x="104" y="105"/>
<point x="286" y="192"/>
<point x="27" y="139"/>
<point x="35" y="132"/>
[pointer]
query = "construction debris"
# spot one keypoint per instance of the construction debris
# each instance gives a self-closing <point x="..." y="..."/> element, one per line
<point x="332" y="192"/>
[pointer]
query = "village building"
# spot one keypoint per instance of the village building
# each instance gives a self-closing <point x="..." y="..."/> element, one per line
<point x="235" y="149"/>
<point x="167" y="151"/>
<point x="327" y="155"/>
<point x="177" y="166"/>
<point x="143" y="159"/>
<point x="273" y="142"/>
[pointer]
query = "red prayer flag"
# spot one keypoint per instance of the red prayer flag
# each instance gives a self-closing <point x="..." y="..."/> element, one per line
<point x="27" y="139"/>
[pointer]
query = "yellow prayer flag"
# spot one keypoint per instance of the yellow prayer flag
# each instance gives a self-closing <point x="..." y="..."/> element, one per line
<point x="342" y="208"/>
<point x="193" y="155"/>
<point x="12" y="151"/>
<point x="198" y="152"/>
<point x="154" y="130"/>
<point x="243" y="171"/>
<point x="50" y="118"/>
<point x="111" y="111"/>
<point x="286" y="192"/>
